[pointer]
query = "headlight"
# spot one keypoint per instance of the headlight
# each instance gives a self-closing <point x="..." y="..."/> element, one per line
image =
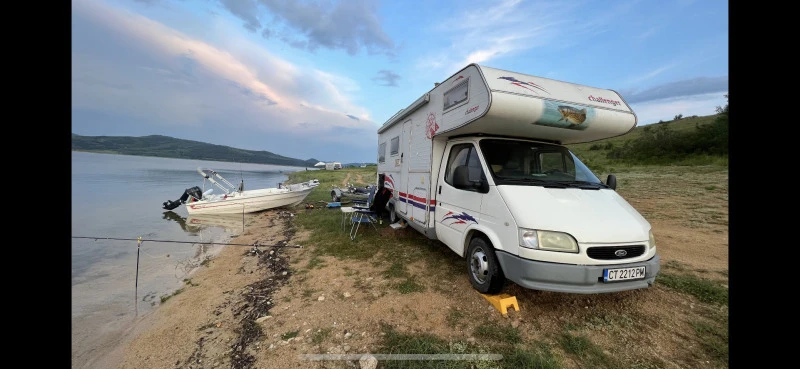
<point x="651" y="243"/>
<point x="547" y="240"/>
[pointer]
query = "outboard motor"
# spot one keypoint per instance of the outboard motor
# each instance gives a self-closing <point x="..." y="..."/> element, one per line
<point x="195" y="192"/>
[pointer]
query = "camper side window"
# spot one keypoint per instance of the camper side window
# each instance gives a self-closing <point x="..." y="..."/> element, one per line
<point x="464" y="169"/>
<point x="395" y="148"/>
<point x="382" y="152"/>
<point x="456" y="95"/>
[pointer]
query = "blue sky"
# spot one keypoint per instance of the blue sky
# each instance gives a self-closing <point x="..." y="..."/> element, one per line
<point x="315" y="79"/>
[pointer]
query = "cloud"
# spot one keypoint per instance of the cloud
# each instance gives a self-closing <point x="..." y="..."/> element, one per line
<point x="653" y="73"/>
<point x="134" y="76"/>
<point x="689" y="87"/>
<point x="245" y="10"/>
<point x="652" y="111"/>
<point x="350" y="25"/>
<point x="505" y="28"/>
<point x="386" y="78"/>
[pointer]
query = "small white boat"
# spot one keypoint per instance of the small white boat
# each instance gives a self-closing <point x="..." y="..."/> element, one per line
<point x="237" y="200"/>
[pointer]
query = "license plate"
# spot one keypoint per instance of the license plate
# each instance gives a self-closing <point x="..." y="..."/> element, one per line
<point x="623" y="274"/>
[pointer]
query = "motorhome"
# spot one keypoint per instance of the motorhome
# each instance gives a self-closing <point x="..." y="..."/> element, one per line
<point x="479" y="163"/>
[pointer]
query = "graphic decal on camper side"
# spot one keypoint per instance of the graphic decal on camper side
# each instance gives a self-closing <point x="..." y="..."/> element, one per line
<point x="522" y="84"/>
<point x="431" y="127"/>
<point x="562" y="115"/>
<point x="462" y="218"/>
<point x="417" y="202"/>
<point x="388" y="182"/>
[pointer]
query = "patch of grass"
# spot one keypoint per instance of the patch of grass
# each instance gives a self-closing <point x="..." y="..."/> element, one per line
<point x="167" y="297"/>
<point x="320" y="335"/>
<point x="290" y="334"/>
<point x="315" y="262"/>
<point x="711" y="188"/>
<point x="703" y="289"/>
<point x="411" y="314"/>
<point x="190" y="283"/>
<point x="602" y="321"/>
<point x="396" y="270"/>
<point x="713" y="340"/>
<point x="394" y="342"/>
<point x="538" y="356"/>
<point x="409" y="286"/>
<point x="498" y="333"/>
<point x="648" y="363"/>
<point x="308" y="292"/>
<point x="454" y="317"/>
<point x="205" y="262"/>
<point x="533" y="355"/>
<point x="590" y="355"/>
<point x="677" y="265"/>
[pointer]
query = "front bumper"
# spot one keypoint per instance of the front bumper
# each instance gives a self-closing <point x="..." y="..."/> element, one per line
<point x="587" y="279"/>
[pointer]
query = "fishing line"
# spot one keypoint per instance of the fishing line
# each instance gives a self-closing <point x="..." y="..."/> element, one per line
<point x="256" y="244"/>
<point x="139" y="241"/>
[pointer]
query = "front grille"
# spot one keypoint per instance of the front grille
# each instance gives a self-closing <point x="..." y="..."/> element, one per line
<point x="609" y="252"/>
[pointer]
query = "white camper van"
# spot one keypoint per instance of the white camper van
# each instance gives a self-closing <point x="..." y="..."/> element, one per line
<point x="478" y="163"/>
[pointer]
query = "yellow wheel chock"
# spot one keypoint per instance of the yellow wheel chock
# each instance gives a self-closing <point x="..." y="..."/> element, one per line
<point x="502" y="302"/>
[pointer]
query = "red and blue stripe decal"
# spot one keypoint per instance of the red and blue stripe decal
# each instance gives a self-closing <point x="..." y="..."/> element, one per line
<point x="417" y="202"/>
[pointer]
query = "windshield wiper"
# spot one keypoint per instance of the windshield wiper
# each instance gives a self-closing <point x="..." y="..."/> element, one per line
<point x="584" y="185"/>
<point x="536" y="181"/>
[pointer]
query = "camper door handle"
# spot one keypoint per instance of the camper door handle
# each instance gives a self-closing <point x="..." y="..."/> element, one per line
<point x="401" y="157"/>
<point x="440" y="189"/>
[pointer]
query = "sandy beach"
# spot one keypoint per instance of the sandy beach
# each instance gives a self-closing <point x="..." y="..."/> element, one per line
<point x="170" y="336"/>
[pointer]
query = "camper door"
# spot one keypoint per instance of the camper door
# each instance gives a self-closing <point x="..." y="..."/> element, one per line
<point x="461" y="188"/>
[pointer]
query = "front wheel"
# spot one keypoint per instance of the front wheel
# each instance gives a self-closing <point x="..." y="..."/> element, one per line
<point x="482" y="267"/>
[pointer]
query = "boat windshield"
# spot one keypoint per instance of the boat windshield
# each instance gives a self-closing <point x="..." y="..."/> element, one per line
<point x="515" y="162"/>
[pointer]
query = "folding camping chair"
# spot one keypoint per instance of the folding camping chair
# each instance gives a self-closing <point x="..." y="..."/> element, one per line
<point x="362" y="214"/>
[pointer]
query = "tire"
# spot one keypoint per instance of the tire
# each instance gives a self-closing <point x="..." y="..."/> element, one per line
<point x="393" y="218"/>
<point x="483" y="268"/>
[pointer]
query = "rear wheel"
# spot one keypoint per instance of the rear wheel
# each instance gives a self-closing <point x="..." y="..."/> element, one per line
<point x="482" y="267"/>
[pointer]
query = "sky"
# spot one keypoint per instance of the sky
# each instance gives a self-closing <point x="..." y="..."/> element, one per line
<point x="317" y="78"/>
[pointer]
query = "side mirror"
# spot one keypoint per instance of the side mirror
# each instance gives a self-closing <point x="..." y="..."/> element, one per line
<point x="612" y="181"/>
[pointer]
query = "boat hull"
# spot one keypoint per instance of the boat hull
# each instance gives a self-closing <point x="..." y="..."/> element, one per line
<point x="247" y="201"/>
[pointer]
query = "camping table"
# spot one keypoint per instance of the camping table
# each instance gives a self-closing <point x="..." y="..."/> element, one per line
<point x="345" y="211"/>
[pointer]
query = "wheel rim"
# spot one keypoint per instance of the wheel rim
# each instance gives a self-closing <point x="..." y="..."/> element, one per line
<point x="479" y="265"/>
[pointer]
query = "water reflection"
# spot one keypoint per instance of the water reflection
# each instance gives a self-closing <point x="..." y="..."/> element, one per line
<point x="233" y="223"/>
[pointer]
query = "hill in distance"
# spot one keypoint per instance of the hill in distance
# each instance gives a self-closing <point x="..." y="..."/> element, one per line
<point x="169" y="147"/>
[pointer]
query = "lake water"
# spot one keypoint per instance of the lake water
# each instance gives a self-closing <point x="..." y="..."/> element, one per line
<point x="116" y="199"/>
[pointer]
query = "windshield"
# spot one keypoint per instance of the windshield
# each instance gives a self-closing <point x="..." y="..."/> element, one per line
<point x="535" y="163"/>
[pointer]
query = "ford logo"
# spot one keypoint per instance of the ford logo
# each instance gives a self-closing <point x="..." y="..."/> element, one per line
<point x="620" y="253"/>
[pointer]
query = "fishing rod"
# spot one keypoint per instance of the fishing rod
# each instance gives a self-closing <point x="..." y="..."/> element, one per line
<point x="191" y="242"/>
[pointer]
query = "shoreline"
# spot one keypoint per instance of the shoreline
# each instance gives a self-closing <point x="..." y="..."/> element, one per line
<point x="105" y="348"/>
<point x="172" y="335"/>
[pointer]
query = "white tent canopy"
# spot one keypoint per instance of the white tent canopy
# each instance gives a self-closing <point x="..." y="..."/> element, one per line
<point x="320" y="164"/>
